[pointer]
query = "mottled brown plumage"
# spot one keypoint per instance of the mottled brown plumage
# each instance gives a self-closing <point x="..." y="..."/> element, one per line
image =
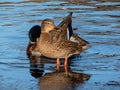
<point x="54" y="43"/>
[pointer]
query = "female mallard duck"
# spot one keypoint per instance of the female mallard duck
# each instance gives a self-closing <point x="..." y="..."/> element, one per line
<point x="35" y="31"/>
<point x="53" y="41"/>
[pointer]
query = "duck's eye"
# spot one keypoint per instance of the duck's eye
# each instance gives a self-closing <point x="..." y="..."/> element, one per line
<point x="47" y="23"/>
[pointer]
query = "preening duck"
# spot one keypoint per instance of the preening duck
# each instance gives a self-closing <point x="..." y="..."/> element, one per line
<point x="55" y="43"/>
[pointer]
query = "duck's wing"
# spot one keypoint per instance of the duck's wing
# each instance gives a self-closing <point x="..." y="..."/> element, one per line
<point x="34" y="33"/>
<point x="67" y="20"/>
<point x="66" y="26"/>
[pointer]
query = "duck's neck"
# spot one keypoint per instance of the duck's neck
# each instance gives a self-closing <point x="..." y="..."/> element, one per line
<point x="44" y="36"/>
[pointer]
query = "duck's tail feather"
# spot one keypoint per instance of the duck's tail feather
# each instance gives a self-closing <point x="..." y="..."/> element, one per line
<point x="85" y="47"/>
<point x="76" y="38"/>
<point x="34" y="33"/>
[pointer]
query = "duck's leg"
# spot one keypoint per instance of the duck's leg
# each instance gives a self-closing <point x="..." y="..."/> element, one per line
<point x="66" y="70"/>
<point x="66" y="61"/>
<point x="65" y="65"/>
<point x="58" y="64"/>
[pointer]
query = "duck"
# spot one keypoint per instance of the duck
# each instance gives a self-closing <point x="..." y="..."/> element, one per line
<point x="55" y="43"/>
<point x="35" y="31"/>
<point x="33" y="34"/>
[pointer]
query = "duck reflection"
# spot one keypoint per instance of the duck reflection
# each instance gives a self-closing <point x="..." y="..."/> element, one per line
<point x="57" y="79"/>
<point x="61" y="81"/>
<point x="36" y="67"/>
<point x="39" y="63"/>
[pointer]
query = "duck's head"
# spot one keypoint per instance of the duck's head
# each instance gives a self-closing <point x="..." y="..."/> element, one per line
<point x="47" y="25"/>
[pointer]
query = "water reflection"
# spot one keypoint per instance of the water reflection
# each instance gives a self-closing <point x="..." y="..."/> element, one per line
<point x="36" y="67"/>
<point x="55" y="80"/>
<point x="61" y="81"/>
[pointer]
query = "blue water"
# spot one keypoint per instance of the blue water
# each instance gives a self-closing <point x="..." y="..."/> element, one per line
<point x="99" y="26"/>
